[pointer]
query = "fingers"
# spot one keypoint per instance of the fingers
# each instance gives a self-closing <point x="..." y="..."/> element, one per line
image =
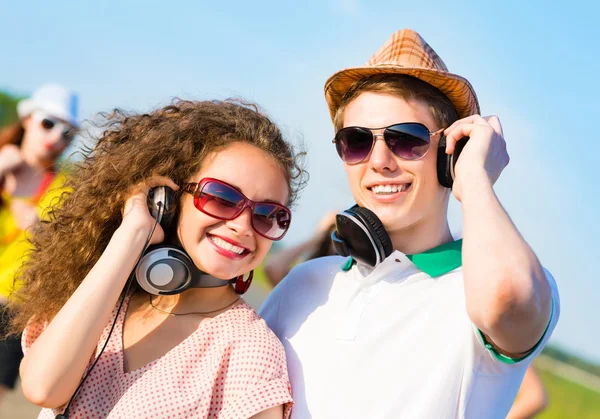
<point x="464" y="128"/>
<point x="457" y="133"/>
<point x="152" y="182"/>
<point x="473" y="119"/>
<point x="491" y="120"/>
<point x="161" y="181"/>
<point x="494" y="121"/>
<point x="139" y="192"/>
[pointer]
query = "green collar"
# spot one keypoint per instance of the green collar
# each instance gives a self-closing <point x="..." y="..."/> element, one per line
<point x="434" y="262"/>
<point x="439" y="260"/>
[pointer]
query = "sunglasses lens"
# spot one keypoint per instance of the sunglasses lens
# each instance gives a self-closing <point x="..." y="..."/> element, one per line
<point x="220" y="200"/>
<point x="353" y="144"/>
<point x="48" y="124"/>
<point x="270" y="220"/>
<point x="408" y="141"/>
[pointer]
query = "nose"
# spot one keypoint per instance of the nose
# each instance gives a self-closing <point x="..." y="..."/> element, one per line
<point x="242" y="224"/>
<point x="382" y="159"/>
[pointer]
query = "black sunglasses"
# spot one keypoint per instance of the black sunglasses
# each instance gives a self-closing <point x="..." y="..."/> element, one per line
<point x="49" y="123"/>
<point x="408" y="140"/>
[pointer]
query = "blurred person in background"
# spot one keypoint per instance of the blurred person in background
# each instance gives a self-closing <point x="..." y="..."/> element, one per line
<point x="279" y="264"/>
<point x="531" y="399"/>
<point x="29" y="180"/>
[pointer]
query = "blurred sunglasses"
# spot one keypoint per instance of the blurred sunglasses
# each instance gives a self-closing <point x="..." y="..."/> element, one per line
<point x="49" y="123"/>
<point x="408" y="140"/>
<point x="225" y="202"/>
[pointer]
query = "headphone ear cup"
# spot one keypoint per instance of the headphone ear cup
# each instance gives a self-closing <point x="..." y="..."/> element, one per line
<point x="164" y="269"/>
<point x="376" y="229"/>
<point x="166" y="196"/>
<point x="444" y="163"/>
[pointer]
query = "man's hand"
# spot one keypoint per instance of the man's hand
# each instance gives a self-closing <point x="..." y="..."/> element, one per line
<point x="483" y="158"/>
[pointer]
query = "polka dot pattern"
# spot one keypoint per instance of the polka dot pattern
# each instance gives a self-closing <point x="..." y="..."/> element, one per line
<point x="232" y="367"/>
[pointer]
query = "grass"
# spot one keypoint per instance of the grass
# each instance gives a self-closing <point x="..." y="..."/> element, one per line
<point x="568" y="400"/>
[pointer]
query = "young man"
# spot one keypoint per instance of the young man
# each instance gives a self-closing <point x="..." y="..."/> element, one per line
<point x="440" y="328"/>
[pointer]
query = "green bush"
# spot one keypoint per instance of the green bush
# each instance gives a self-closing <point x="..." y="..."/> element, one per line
<point x="568" y="400"/>
<point x="8" y="109"/>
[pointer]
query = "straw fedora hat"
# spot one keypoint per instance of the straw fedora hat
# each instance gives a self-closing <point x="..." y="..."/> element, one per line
<point x="406" y="52"/>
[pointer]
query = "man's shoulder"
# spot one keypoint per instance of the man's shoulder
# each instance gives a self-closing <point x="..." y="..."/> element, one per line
<point x="319" y="269"/>
<point x="306" y="284"/>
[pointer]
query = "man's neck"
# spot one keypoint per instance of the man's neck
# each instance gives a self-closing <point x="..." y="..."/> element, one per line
<point x="422" y="236"/>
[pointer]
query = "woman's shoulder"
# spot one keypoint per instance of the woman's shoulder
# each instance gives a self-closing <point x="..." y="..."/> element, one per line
<point x="252" y="346"/>
<point x="246" y="323"/>
<point x="246" y="329"/>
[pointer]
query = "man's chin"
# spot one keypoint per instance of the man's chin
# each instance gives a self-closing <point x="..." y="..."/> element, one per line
<point x="388" y="214"/>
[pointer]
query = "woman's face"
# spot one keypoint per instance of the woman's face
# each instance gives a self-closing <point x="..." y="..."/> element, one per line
<point x="46" y="137"/>
<point x="215" y="245"/>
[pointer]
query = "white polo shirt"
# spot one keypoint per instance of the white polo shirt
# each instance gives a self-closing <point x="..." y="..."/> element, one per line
<point x="391" y="342"/>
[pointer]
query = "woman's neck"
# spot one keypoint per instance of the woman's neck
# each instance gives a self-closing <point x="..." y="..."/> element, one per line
<point x="196" y="300"/>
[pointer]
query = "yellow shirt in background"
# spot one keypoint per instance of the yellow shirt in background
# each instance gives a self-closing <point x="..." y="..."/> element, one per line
<point x="13" y="241"/>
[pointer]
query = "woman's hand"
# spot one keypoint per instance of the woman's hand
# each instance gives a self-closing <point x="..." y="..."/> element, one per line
<point x="10" y="159"/>
<point x="136" y="213"/>
<point x="24" y="213"/>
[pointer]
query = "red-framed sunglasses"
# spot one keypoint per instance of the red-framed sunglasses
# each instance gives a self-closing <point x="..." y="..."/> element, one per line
<point x="225" y="202"/>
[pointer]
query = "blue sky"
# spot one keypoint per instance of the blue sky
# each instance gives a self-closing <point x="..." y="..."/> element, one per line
<point x="534" y="65"/>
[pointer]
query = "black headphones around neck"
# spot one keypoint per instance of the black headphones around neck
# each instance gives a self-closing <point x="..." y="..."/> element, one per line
<point x="166" y="269"/>
<point x="360" y="234"/>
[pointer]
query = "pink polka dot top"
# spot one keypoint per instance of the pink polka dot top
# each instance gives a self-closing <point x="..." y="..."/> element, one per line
<point x="231" y="367"/>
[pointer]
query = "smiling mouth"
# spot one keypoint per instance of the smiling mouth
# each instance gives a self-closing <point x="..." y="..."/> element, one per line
<point x="390" y="189"/>
<point x="225" y="245"/>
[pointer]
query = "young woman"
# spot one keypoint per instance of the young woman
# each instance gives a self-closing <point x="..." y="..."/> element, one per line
<point x="202" y="353"/>
<point x="29" y="181"/>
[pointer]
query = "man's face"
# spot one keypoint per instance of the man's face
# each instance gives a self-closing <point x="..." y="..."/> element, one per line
<point x="416" y="198"/>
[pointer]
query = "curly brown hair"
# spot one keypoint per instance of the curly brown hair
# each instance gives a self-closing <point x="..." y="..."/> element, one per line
<point x="172" y="142"/>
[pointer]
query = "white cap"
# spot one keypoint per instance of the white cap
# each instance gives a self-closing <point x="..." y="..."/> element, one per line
<point x="55" y="100"/>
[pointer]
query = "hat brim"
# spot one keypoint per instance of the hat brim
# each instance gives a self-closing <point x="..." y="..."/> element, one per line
<point x="27" y="106"/>
<point x="456" y="88"/>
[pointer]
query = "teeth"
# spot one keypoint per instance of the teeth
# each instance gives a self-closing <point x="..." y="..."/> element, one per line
<point x="227" y="246"/>
<point x="386" y="189"/>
